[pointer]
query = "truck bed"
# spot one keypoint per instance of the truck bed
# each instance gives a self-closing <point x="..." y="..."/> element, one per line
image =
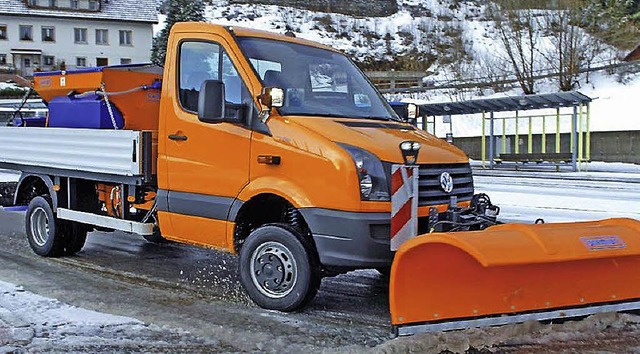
<point x="124" y="156"/>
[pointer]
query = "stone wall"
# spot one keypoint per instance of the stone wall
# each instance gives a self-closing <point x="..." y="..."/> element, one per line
<point x="620" y="146"/>
<point x="359" y="8"/>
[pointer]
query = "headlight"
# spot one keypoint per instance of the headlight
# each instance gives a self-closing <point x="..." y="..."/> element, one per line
<point x="373" y="179"/>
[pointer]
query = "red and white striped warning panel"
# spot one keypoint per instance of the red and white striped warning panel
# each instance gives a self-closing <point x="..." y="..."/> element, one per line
<point x="404" y="204"/>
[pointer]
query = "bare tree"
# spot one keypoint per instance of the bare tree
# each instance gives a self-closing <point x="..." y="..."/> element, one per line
<point x="517" y="29"/>
<point x="565" y="55"/>
<point x="578" y="32"/>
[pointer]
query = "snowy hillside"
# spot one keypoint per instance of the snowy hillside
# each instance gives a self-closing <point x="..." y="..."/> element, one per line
<point x="439" y="31"/>
<point x="454" y="40"/>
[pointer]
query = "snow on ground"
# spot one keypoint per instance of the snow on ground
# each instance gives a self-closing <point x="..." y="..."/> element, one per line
<point x="9" y="176"/>
<point x="422" y="23"/>
<point x="526" y="199"/>
<point x="613" y="109"/>
<point x="8" y="85"/>
<point x="34" y="308"/>
<point x="160" y="25"/>
<point x="33" y="323"/>
<point x="601" y="333"/>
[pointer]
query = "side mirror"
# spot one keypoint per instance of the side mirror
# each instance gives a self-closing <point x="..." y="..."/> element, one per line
<point x="211" y="104"/>
<point x="271" y="97"/>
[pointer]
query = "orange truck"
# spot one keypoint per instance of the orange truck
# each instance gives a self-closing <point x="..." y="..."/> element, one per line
<point x="281" y="151"/>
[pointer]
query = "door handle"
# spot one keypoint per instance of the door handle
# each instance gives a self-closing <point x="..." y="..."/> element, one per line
<point x="177" y="137"/>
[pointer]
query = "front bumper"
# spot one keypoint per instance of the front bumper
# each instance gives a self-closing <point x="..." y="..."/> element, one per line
<point x="350" y="240"/>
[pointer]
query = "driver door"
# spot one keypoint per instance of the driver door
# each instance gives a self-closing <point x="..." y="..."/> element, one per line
<point x="207" y="164"/>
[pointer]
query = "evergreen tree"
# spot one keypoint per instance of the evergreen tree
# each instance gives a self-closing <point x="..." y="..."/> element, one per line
<point x="178" y="11"/>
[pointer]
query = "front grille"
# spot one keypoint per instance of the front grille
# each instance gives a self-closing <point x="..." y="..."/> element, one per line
<point x="430" y="192"/>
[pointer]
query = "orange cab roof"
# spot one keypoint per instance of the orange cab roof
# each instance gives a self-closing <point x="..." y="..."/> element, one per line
<point x="244" y="32"/>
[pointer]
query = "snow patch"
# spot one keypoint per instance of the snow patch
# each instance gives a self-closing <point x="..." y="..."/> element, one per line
<point x="9" y="176"/>
<point x="39" y="310"/>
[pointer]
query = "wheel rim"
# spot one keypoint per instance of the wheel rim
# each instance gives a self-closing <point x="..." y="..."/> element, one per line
<point x="273" y="270"/>
<point x="39" y="221"/>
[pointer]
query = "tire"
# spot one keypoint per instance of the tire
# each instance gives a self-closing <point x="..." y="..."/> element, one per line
<point x="75" y="236"/>
<point x="278" y="268"/>
<point x="45" y="234"/>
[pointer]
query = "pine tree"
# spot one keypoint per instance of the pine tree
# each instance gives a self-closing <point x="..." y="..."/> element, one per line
<point x="179" y="11"/>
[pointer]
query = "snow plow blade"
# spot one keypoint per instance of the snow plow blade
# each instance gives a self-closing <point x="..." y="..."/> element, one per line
<point x="514" y="273"/>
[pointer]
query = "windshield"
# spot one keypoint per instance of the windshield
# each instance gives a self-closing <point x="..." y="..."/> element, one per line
<point x="316" y="82"/>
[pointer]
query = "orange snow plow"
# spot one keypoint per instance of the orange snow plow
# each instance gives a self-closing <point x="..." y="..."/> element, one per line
<point x="513" y="273"/>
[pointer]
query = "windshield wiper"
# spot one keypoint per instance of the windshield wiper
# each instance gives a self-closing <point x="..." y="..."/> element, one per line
<point x="386" y="119"/>
<point x="330" y="115"/>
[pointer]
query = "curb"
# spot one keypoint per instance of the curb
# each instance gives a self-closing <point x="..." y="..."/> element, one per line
<point x="632" y="178"/>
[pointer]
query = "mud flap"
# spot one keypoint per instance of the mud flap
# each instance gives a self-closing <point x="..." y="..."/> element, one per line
<point x="514" y="273"/>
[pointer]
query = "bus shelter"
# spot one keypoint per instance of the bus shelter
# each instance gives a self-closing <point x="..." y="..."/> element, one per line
<point x="511" y="120"/>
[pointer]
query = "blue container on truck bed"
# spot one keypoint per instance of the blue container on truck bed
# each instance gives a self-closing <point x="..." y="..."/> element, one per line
<point x="86" y="111"/>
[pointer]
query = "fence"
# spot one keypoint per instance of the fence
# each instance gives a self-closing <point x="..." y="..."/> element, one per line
<point x="412" y="81"/>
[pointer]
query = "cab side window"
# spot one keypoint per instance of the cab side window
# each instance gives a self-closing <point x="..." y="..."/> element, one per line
<point x="199" y="61"/>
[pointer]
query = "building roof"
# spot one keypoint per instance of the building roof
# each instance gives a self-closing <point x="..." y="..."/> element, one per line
<point x="503" y="104"/>
<point x="115" y="10"/>
<point x="634" y="55"/>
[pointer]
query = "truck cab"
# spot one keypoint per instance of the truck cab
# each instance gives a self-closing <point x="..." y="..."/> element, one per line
<point x="314" y="166"/>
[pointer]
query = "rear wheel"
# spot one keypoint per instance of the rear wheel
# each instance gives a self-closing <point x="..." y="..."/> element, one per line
<point x="49" y="236"/>
<point x="278" y="268"/>
<point x="75" y="234"/>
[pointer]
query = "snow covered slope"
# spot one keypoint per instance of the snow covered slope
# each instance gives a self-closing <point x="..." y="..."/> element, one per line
<point x="456" y="39"/>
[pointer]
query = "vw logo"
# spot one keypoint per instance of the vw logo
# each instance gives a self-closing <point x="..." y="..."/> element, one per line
<point x="446" y="182"/>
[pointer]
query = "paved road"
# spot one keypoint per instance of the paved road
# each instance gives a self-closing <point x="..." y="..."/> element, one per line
<point x="184" y="288"/>
<point x="524" y="199"/>
<point x="197" y="290"/>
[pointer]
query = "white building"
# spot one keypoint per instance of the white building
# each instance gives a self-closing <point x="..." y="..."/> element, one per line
<point x="68" y="34"/>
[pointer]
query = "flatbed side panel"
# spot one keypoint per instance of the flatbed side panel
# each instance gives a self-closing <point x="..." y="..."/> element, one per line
<point x="113" y="152"/>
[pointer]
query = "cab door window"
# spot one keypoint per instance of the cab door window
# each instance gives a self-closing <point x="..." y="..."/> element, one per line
<point x="199" y="61"/>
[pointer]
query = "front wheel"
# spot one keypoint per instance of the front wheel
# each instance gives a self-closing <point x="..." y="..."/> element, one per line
<point x="278" y="268"/>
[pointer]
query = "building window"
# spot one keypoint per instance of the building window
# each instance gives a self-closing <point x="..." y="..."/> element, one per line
<point x="81" y="62"/>
<point x="53" y="3"/>
<point x="125" y="37"/>
<point x="33" y="2"/>
<point x="74" y="4"/>
<point x="48" y="34"/>
<point x="125" y="61"/>
<point x="93" y="5"/>
<point x="80" y="35"/>
<point x="49" y="60"/>
<point x="102" y="36"/>
<point x="26" y="33"/>
<point x="3" y="59"/>
<point x="3" y="31"/>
